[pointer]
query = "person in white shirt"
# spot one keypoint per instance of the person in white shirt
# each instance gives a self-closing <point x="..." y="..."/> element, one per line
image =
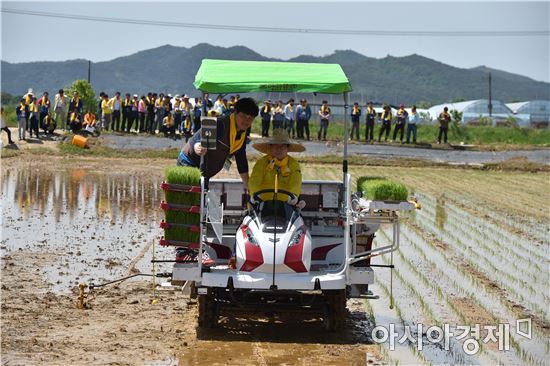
<point x="411" y="125"/>
<point x="116" y="105"/>
<point x="289" y="113"/>
<point x="61" y="106"/>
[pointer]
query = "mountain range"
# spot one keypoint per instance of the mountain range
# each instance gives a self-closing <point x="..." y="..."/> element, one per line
<point x="170" y="69"/>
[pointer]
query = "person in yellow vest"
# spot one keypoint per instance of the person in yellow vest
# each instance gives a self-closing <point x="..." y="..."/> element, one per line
<point x="159" y="113"/>
<point x="444" y="120"/>
<point x="230" y="141"/>
<point x="126" y="112"/>
<point x="106" y="112"/>
<point x="49" y="124"/>
<point x="33" y="117"/>
<point x="386" y="118"/>
<point x="168" y="126"/>
<point x="277" y="162"/>
<point x="28" y="99"/>
<point x="400" y="121"/>
<point x="324" y="117"/>
<point x="75" y="122"/>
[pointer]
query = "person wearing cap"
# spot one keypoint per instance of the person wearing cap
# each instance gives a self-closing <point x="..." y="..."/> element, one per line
<point x="277" y="162"/>
<point x="355" y="121"/>
<point x="369" y="120"/>
<point x="400" y="121"/>
<point x="265" y="114"/>
<point x="230" y="141"/>
<point x="61" y="107"/>
<point x="386" y="118"/>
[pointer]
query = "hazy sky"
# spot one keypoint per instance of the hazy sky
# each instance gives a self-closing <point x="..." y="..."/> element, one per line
<point x="37" y="38"/>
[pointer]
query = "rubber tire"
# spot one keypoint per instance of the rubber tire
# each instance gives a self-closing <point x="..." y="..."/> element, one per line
<point x="335" y="310"/>
<point x="208" y="311"/>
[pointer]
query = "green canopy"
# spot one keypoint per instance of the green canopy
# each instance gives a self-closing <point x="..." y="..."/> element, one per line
<point x="223" y="76"/>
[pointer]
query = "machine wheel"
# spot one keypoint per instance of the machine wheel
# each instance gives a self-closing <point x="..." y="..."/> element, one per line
<point x="208" y="311"/>
<point x="335" y="309"/>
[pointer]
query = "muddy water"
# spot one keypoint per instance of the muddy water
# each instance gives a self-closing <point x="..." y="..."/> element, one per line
<point x="95" y="223"/>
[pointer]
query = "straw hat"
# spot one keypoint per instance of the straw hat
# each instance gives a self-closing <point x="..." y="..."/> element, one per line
<point x="280" y="137"/>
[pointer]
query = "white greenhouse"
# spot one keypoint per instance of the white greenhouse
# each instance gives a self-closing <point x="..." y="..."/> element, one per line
<point x="473" y="110"/>
<point x="535" y="113"/>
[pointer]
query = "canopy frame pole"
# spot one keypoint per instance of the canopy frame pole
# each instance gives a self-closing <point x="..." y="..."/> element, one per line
<point x="347" y="190"/>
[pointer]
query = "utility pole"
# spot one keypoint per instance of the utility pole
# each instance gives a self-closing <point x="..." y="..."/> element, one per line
<point x="490" y="106"/>
<point x="89" y="70"/>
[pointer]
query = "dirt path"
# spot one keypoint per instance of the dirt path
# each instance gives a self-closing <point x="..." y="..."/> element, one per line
<point x="122" y="327"/>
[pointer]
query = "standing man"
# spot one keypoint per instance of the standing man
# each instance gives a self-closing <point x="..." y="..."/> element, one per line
<point x="151" y="97"/>
<point x="106" y="112"/>
<point x="355" y="121"/>
<point x="20" y="112"/>
<point x="230" y="141"/>
<point x="303" y="114"/>
<point x="444" y="120"/>
<point x="401" y="120"/>
<point x="386" y="118"/>
<point x="159" y="113"/>
<point x="61" y="108"/>
<point x="133" y="114"/>
<point x="370" y="119"/>
<point x="116" y="105"/>
<point x="265" y="114"/>
<point x="126" y="112"/>
<point x="197" y="112"/>
<point x="411" y="125"/>
<point x="324" y="117"/>
<point x="206" y="104"/>
<point x="28" y="99"/>
<point x="289" y="118"/>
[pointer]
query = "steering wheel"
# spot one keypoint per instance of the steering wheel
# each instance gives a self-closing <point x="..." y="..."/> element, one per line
<point x="256" y="195"/>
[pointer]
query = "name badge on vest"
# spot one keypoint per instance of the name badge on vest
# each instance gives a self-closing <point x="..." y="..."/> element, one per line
<point x="227" y="165"/>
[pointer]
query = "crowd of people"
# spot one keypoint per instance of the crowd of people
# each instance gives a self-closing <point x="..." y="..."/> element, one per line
<point x="179" y="114"/>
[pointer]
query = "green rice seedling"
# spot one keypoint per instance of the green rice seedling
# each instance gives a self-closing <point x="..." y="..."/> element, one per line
<point x="379" y="188"/>
<point x="184" y="176"/>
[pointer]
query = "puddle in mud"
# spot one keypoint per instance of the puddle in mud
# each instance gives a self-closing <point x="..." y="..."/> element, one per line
<point x="95" y="223"/>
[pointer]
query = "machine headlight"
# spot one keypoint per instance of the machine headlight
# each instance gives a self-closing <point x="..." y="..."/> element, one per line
<point x="296" y="237"/>
<point x="251" y="238"/>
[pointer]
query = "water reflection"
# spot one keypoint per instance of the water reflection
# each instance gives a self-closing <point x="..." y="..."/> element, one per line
<point x="38" y="192"/>
<point x="94" y="223"/>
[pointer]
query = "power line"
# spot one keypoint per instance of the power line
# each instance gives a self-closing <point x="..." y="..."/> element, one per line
<point x="399" y="33"/>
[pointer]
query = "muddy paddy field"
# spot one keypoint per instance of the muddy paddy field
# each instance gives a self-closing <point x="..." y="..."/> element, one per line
<point x="477" y="253"/>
